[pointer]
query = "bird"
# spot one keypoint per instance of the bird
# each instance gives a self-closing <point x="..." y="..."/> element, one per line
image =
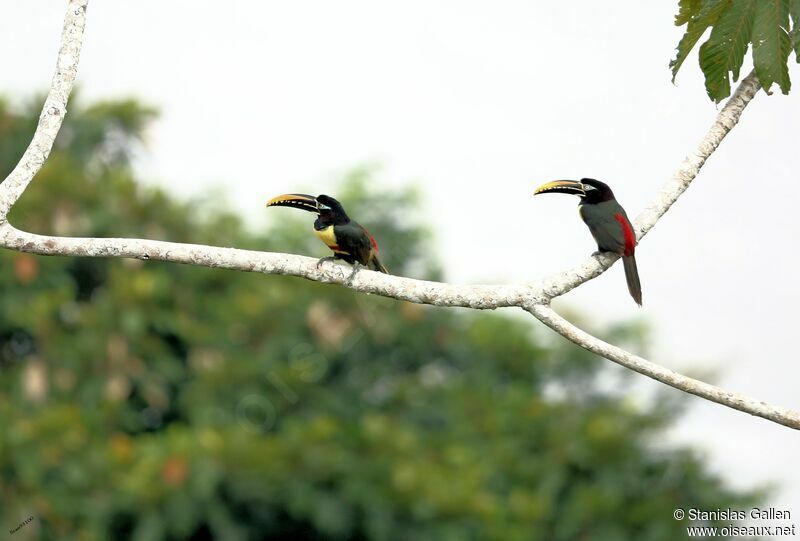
<point x="606" y="220"/>
<point x="349" y="241"/>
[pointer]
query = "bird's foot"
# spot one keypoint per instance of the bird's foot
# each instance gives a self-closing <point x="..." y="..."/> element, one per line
<point x="324" y="259"/>
<point x="350" y="278"/>
<point x="601" y="252"/>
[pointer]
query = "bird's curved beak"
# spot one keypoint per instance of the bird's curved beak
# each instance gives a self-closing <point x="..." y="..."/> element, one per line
<point x="296" y="200"/>
<point x="561" y="186"/>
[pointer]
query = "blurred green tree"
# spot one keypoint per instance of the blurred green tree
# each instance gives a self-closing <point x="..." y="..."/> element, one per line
<point x="155" y="401"/>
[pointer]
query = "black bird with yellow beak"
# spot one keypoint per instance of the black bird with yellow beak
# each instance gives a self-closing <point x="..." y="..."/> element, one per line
<point x="607" y="221"/>
<point x="347" y="239"/>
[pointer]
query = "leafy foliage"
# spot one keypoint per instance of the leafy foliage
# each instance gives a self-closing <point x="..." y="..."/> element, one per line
<point x="686" y="10"/>
<point x="153" y="401"/>
<point x="722" y="55"/>
<point x="703" y="15"/>
<point x="772" y="44"/>
<point x="736" y="24"/>
<point x="794" y="11"/>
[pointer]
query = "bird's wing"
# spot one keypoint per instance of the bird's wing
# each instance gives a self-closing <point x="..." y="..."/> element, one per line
<point x="373" y="244"/>
<point x="610" y="227"/>
<point x="355" y="240"/>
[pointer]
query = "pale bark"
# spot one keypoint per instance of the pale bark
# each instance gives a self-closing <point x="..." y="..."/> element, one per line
<point x="55" y="107"/>
<point x="690" y="385"/>
<point x="534" y="298"/>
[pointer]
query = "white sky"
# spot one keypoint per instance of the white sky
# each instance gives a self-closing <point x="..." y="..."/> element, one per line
<point x="478" y="103"/>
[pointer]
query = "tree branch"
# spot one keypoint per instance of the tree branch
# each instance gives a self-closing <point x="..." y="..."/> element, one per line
<point x="534" y="298"/>
<point x="486" y="297"/>
<point x="55" y="107"/>
<point x="780" y="415"/>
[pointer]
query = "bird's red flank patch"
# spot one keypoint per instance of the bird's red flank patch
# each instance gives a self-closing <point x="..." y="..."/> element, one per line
<point x="627" y="231"/>
<point x="371" y="239"/>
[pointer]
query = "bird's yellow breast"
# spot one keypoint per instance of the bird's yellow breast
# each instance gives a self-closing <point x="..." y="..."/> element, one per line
<point x="327" y="236"/>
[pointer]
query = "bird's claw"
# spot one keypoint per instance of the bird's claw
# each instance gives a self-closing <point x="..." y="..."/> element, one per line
<point x="324" y="259"/>
<point x="353" y="274"/>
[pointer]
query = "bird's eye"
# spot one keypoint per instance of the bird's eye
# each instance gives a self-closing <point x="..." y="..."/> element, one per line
<point x="588" y="187"/>
<point x="323" y="207"/>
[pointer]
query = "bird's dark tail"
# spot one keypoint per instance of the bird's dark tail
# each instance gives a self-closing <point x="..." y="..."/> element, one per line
<point x="377" y="265"/>
<point x="632" y="277"/>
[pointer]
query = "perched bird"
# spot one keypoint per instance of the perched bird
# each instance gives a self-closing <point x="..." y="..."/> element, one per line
<point x="347" y="239"/>
<point x="607" y="222"/>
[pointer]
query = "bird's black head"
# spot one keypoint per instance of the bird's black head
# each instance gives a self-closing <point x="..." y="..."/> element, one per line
<point x="596" y="191"/>
<point x="331" y="211"/>
<point x="588" y="189"/>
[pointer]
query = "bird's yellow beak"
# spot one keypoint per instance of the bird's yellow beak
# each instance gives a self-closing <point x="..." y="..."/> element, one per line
<point x="561" y="186"/>
<point x="296" y="200"/>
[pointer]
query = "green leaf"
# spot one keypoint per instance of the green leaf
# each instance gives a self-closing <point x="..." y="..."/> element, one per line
<point x="794" y="9"/>
<point x="698" y="24"/>
<point x="686" y="10"/>
<point x="771" y="43"/>
<point x="723" y="53"/>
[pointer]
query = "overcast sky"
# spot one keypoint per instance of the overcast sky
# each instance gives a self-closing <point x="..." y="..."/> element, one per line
<point x="477" y="103"/>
